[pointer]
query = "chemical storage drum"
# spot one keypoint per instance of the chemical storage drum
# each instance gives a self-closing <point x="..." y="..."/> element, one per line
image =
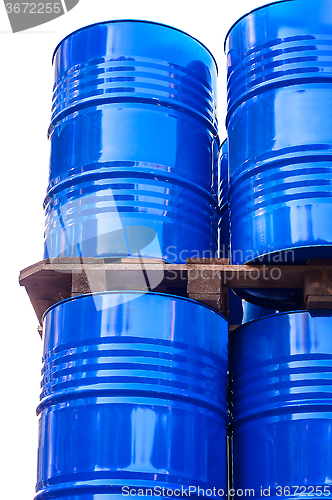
<point x="134" y="145"/>
<point x="279" y="125"/>
<point x="281" y="385"/>
<point x="133" y="394"/>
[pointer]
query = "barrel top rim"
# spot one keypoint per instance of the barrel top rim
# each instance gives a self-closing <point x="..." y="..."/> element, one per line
<point x="110" y="292"/>
<point x="251" y="12"/>
<point x="113" y="21"/>
<point x="315" y="312"/>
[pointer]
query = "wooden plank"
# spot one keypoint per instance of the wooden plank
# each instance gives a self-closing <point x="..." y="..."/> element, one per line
<point x="88" y="281"/>
<point x="319" y="262"/>
<point x="42" y="298"/>
<point x="206" y="287"/>
<point x="318" y="302"/>
<point x="232" y="276"/>
<point x="207" y="280"/>
<point x="220" y="262"/>
<point x="210" y="299"/>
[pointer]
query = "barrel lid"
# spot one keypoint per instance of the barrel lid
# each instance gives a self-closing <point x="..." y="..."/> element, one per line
<point x="251" y="12"/>
<point x="312" y="312"/>
<point x="113" y="21"/>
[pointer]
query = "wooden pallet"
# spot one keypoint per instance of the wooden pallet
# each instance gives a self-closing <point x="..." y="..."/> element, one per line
<point x="204" y="280"/>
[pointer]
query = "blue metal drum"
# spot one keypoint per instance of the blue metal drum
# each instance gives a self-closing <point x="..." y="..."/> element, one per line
<point x="133" y="394"/>
<point x="134" y="145"/>
<point x="279" y="125"/>
<point x="281" y="388"/>
<point x="252" y="312"/>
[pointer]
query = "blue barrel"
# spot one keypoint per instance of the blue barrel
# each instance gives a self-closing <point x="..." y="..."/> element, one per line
<point x="134" y="145"/>
<point x="279" y="125"/>
<point x="133" y="394"/>
<point x="281" y="387"/>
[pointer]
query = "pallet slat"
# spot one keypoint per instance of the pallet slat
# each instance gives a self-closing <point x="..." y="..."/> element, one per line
<point x="205" y="280"/>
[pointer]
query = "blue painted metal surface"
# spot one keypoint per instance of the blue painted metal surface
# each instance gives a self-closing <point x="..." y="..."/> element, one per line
<point x="223" y="202"/>
<point x="235" y="309"/>
<point x="134" y="146"/>
<point x="279" y="126"/>
<point x="133" y="393"/>
<point x="281" y="382"/>
<point x="252" y="312"/>
<point x="281" y="299"/>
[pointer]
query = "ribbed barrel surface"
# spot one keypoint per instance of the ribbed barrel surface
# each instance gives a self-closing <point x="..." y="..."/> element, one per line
<point x="279" y="125"/>
<point x="281" y="382"/>
<point x="133" y="394"/>
<point x="133" y="168"/>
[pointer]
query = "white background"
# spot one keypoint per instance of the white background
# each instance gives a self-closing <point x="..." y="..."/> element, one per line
<point x="26" y="79"/>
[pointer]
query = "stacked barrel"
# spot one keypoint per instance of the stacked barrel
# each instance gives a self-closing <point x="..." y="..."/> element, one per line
<point x="134" y="145"/>
<point x="280" y="196"/>
<point x="281" y="425"/>
<point x="130" y="403"/>
<point x="134" y="384"/>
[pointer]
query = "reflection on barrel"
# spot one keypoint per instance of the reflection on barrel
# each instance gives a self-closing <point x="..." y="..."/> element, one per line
<point x="133" y="168"/>
<point x="132" y="401"/>
<point x="281" y="381"/>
